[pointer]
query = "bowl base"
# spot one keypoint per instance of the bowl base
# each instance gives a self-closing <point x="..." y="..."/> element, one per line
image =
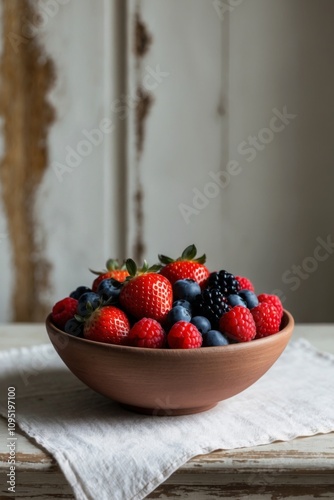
<point x="167" y="412"/>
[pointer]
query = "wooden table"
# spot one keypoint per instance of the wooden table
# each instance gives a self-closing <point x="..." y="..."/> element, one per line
<point x="302" y="468"/>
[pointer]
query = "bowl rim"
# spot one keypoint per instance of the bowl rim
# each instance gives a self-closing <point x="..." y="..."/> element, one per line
<point x="185" y="352"/>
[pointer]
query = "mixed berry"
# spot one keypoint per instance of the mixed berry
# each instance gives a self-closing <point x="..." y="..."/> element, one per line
<point x="176" y="304"/>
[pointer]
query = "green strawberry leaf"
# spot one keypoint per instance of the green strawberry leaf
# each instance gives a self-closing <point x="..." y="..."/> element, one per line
<point x="164" y="259"/>
<point x="144" y="269"/>
<point x="112" y="264"/>
<point x="189" y="253"/>
<point x="131" y="267"/>
<point x="201" y="260"/>
<point x="98" y="273"/>
<point x="155" y="268"/>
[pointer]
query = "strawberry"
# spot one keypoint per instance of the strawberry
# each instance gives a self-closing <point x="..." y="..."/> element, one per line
<point x="267" y="319"/>
<point x="238" y="324"/>
<point x="107" y="324"/>
<point x="147" y="332"/>
<point x="63" y="311"/>
<point x="245" y="283"/>
<point x="146" y="293"/>
<point x="272" y="299"/>
<point x="114" y="270"/>
<point x="184" y="335"/>
<point x="185" y="266"/>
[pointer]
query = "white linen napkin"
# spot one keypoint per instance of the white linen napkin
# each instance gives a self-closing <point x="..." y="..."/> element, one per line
<point x="108" y="453"/>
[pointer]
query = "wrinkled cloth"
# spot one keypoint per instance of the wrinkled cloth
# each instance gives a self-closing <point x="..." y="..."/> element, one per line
<point x="108" y="453"/>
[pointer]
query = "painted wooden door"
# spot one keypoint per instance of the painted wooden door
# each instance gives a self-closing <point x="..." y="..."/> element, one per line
<point x="109" y="178"/>
<point x="234" y="150"/>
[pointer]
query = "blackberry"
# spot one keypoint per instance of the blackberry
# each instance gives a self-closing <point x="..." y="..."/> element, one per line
<point x="223" y="281"/>
<point x="212" y="304"/>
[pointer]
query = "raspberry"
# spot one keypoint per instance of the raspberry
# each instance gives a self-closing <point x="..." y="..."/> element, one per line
<point x="184" y="335"/>
<point x="238" y="324"/>
<point x="147" y="332"/>
<point x="267" y="319"/>
<point x="245" y="283"/>
<point x="64" y="310"/>
<point x="272" y="299"/>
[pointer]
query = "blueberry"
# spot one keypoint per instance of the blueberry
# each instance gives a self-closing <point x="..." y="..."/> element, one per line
<point x="109" y="290"/>
<point x="186" y="289"/>
<point x="214" y="338"/>
<point x="87" y="303"/>
<point x="236" y="300"/>
<point x="178" y="313"/>
<point x="76" y="294"/>
<point x="249" y="297"/>
<point x="183" y="303"/>
<point x="202" y="323"/>
<point x="74" y="327"/>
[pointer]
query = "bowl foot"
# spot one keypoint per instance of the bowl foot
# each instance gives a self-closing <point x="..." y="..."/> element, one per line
<point x="167" y="412"/>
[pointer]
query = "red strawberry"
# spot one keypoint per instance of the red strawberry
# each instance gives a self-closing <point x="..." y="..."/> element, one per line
<point x="184" y="335"/>
<point x="147" y="332"/>
<point x="267" y="319"/>
<point x="238" y="324"/>
<point x="64" y="310"/>
<point x="245" y="283"/>
<point x="185" y="266"/>
<point x="147" y="294"/>
<point x="107" y="324"/>
<point x="114" y="270"/>
<point x="272" y="299"/>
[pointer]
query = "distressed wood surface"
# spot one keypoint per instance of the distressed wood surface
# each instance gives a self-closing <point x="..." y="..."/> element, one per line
<point x="302" y="468"/>
<point x="62" y="203"/>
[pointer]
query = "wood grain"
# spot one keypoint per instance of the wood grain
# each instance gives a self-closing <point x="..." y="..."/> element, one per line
<point x="27" y="75"/>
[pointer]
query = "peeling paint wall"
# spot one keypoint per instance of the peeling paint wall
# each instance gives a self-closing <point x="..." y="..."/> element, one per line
<point x="27" y="75"/>
<point x="62" y="202"/>
<point x="181" y="139"/>
<point x="142" y="37"/>
<point x="144" y="102"/>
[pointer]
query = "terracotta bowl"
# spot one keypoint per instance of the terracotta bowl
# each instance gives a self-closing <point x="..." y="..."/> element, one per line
<point x="169" y="381"/>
